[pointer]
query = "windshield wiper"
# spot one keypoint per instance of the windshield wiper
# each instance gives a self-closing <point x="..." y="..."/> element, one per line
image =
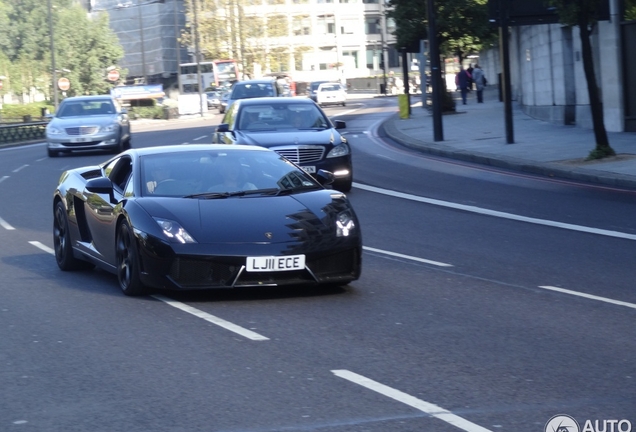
<point x="215" y="195"/>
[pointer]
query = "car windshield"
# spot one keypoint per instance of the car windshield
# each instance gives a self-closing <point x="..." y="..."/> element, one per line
<point x="211" y="174"/>
<point x="252" y="90"/>
<point x="281" y="116"/>
<point x="84" y="108"/>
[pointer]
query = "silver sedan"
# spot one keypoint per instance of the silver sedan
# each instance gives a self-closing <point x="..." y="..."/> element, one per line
<point x="88" y="123"/>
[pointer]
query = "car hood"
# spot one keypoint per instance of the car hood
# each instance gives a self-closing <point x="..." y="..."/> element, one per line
<point x="94" y="120"/>
<point x="251" y="219"/>
<point x="282" y="138"/>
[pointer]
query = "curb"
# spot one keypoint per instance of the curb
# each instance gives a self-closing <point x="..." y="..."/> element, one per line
<point x="549" y="169"/>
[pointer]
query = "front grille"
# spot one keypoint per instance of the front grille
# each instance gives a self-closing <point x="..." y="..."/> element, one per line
<point x="81" y="144"/>
<point x="81" y="130"/>
<point x="303" y="155"/>
<point x="191" y="273"/>
<point x="340" y="264"/>
<point x="274" y="278"/>
<point x="208" y="273"/>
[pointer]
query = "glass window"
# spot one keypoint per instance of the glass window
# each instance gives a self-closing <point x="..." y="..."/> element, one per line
<point x="371" y="26"/>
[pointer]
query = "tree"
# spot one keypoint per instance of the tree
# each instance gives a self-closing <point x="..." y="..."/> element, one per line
<point x="584" y="14"/>
<point x="86" y="48"/>
<point x="462" y="25"/>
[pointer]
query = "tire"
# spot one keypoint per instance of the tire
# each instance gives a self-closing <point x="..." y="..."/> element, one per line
<point x="52" y="153"/>
<point x="62" y="242"/>
<point x="127" y="261"/>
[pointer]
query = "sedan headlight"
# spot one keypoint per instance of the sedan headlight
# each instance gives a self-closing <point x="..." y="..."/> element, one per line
<point x="174" y="232"/>
<point x="53" y="130"/>
<point x="344" y="224"/>
<point x="339" y="150"/>
<point x="108" y="128"/>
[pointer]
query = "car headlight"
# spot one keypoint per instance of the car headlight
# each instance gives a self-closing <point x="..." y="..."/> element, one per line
<point x="344" y="224"/>
<point x="53" y="131"/>
<point x="339" y="150"/>
<point x="174" y="232"/>
<point x="108" y="128"/>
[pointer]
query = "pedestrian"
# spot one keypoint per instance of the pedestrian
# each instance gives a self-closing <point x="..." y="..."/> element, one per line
<point x="469" y="69"/>
<point x="461" y="81"/>
<point x="480" y="82"/>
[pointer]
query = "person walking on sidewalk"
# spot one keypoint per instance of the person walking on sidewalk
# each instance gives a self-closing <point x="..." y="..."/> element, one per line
<point x="461" y="80"/>
<point x="480" y="82"/>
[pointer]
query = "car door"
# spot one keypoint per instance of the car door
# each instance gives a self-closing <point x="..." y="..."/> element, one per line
<point x="102" y="210"/>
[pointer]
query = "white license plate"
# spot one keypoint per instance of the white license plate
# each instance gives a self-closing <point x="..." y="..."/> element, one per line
<point x="309" y="169"/>
<point x="275" y="263"/>
<point x="75" y="140"/>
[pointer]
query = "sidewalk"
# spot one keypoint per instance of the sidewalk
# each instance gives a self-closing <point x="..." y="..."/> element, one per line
<point x="477" y="133"/>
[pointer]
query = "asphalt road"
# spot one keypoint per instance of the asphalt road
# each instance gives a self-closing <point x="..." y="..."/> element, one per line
<point x="488" y="301"/>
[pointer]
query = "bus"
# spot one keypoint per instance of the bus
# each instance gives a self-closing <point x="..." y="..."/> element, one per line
<point x="214" y="74"/>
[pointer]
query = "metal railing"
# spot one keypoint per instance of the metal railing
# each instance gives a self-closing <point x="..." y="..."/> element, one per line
<point x="22" y="132"/>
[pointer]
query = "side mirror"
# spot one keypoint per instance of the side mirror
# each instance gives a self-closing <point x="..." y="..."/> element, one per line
<point x="223" y="127"/>
<point x="101" y="185"/>
<point x="340" y="124"/>
<point x="324" y="177"/>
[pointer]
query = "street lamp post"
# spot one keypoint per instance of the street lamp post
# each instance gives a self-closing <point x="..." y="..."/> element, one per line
<point x="143" y="48"/>
<point x="56" y="99"/>
<point x="176" y="35"/>
<point x="382" y="62"/>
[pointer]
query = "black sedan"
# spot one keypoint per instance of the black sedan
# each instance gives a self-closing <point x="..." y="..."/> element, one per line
<point x="197" y="217"/>
<point x="293" y="127"/>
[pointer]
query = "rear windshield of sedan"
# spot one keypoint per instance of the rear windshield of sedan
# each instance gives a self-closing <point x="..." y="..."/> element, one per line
<point x="86" y="108"/>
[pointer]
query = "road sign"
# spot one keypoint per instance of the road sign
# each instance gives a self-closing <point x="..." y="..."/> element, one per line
<point x="113" y="75"/>
<point x="63" y="84"/>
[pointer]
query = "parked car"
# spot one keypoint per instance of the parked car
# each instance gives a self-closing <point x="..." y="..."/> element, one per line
<point x="296" y="128"/>
<point x="188" y="217"/>
<point x="331" y="94"/>
<point x="250" y="89"/>
<point x="313" y="88"/>
<point x="88" y="123"/>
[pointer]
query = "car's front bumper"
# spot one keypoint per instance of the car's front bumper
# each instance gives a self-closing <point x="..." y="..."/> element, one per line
<point x="108" y="140"/>
<point x="189" y="267"/>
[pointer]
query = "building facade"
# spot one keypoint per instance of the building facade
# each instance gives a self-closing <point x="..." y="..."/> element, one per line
<point x="318" y="39"/>
<point x="547" y="75"/>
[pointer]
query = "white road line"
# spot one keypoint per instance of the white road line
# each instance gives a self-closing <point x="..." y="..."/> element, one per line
<point x="211" y="318"/>
<point x="3" y="178"/>
<point x="45" y="248"/>
<point x="498" y="214"/>
<point x="5" y="225"/>
<point x="21" y="168"/>
<point x="200" y="138"/>
<point x="427" y="407"/>
<point x="409" y="257"/>
<point x="589" y="296"/>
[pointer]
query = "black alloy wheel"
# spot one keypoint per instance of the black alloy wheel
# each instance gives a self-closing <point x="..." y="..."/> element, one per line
<point x="62" y="242"/>
<point x="128" y="262"/>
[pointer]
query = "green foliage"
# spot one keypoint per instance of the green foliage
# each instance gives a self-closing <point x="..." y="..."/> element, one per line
<point x="18" y="111"/>
<point x="85" y="47"/>
<point x="147" y="112"/>
<point x="580" y="12"/>
<point x="600" y="152"/>
<point x="462" y="25"/>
